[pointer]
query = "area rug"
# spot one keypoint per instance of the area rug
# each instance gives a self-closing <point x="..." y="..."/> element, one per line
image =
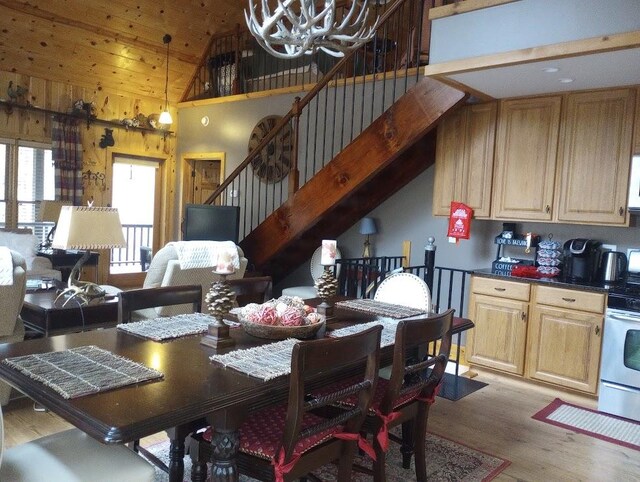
<point x="447" y="461"/>
<point x="600" y="425"/>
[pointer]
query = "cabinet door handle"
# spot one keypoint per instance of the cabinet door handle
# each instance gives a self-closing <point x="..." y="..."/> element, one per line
<point x="621" y="211"/>
<point x="523" y="316"/>
<point x="597" y="331"/>
<point x="547" y="209"/>
<point x="499" y="289"/>
<point x="569" y="300"/>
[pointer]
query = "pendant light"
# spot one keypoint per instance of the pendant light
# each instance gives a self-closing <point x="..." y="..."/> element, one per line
<point x="165" y="116"/>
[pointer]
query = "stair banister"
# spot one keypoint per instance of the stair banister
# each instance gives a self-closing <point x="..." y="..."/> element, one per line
<point x="296" y="111"/>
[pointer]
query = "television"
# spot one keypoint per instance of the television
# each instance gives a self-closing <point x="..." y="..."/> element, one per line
<point x="211" y="223"/>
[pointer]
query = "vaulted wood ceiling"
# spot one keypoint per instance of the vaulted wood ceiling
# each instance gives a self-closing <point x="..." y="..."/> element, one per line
<point x="112" y="44"/>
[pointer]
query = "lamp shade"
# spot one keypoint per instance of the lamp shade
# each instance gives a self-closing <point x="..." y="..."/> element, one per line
<point x="87" y="228"/>
<point x="368" y="226"/>
<point x="50" y="210"/>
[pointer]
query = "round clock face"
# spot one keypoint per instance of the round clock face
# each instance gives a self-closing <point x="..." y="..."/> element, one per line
<point x="273" y="162"/>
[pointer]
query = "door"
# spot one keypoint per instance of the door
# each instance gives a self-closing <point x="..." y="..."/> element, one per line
<point x="525" y="162"/>
<point x="136" y="193"/>
<point x="498" y="339"/>
<point x="202" y="174"/>
<point x="564" y="347"/>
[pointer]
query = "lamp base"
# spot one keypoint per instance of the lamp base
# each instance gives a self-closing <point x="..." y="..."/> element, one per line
<point x="366" y="251"/>
<point x="82" y="292"/>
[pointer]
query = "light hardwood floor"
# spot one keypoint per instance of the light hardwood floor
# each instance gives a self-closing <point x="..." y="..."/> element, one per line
<point x="496" y="419"/>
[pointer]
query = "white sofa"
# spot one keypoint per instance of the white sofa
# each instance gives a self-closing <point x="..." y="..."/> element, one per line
<point x="11" y="299"/>
<point x="165" y="270"/>
<point x="26" y="243"/>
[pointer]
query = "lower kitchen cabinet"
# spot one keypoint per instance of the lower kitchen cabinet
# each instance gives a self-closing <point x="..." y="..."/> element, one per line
<point x="564" y="347"/>
<point x="540" y="332"/>
<point x="498" y="340"/>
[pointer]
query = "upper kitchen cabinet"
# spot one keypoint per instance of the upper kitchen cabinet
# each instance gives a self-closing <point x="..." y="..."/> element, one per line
<point x="464" y="159"/>
<point x="636" y="136"/>
<point x="525" y="158"/>
<point x="594" y="157"/>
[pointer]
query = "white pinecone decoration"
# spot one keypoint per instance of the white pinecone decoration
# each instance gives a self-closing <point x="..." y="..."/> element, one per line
<point x="220" y="299"/>
<point x="326" y="285"/>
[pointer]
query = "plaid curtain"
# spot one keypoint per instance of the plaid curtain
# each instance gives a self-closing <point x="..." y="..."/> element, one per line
<point x="67" y="159"/>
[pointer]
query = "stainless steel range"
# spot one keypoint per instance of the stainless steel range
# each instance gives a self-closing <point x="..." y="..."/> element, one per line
<point x="620" y="367"/>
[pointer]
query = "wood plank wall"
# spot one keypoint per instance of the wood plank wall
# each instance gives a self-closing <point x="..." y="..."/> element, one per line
<point x="36" y="126"/>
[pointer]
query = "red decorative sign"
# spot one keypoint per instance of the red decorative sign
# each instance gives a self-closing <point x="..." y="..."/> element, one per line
<point x="460" y="221"/>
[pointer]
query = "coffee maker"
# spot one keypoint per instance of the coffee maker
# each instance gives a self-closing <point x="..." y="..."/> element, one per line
<point x="581" y="260"/>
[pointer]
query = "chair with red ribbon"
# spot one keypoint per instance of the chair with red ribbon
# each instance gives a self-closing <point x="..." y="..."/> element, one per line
<point x="286" y="442"/>
<point x="406" y="397"/>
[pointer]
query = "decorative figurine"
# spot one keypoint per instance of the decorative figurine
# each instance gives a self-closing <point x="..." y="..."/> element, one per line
<point x="220" y="299"/>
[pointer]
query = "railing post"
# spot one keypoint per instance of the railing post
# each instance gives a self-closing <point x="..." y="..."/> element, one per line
<point x="294" y="173"/>
<point x="430" y="261"/>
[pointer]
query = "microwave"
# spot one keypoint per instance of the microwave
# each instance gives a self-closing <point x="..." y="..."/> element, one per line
<point x="634" y="185"/>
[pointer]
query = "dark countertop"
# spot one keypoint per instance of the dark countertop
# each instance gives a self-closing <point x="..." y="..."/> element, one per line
<point x="555" y="282"/>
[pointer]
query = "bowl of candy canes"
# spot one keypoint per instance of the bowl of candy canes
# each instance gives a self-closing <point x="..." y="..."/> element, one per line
<point x="281" y="318"/>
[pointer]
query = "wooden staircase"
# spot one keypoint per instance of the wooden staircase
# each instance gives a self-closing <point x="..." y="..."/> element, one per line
<point x="388" y="154"/>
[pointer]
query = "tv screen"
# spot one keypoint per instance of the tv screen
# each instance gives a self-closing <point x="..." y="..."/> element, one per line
<point x="211" y="223"/>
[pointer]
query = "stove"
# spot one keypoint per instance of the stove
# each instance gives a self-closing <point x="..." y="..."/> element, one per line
<point x="620" y="362"/>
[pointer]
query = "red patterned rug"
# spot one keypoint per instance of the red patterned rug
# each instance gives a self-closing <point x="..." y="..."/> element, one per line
<point x="447" y="461"/>
<point x="600" y="425"/>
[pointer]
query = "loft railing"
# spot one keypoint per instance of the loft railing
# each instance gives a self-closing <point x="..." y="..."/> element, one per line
<point x="234" y="63"/>
<point x="356" y="91"/>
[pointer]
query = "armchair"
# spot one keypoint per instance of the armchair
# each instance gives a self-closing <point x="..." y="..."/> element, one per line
<point x="26" y="244"/>
<point x="165" y="270"/>
<point x="11" y="299"/>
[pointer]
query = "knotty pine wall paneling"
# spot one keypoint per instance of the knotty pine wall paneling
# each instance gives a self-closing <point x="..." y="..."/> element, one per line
<point x="111" y="105"/>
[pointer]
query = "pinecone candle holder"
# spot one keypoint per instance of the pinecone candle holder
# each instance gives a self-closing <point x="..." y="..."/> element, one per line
<point x="220" y="300"/>
<point x="326" y="287"/>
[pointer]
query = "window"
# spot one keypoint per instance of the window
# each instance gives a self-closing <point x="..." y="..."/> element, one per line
<point x="27" y="176"/>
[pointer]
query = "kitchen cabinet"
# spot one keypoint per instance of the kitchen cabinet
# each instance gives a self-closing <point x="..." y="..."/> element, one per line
<point x="543" y="333"/>
<point x="564" y="337"/>
<point x="499" y="310"/>
<point x="525" y="158"/>
<point x="636" y="135"/>
<point x="594" y="157"/>
<point x="464" y="159"/>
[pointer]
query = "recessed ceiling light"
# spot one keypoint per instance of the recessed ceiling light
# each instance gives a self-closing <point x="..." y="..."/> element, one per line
<point x="205" y="121"/>
<point x="550" y="70"/>
<point x="566" y="80"/>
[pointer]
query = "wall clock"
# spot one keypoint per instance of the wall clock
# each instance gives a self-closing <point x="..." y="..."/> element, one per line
<point x="273" y="162"/>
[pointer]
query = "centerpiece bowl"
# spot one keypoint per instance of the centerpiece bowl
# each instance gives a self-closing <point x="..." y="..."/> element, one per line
<point x="285" y="317"/>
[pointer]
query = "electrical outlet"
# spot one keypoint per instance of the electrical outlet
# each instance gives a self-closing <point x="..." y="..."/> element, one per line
<point x="609" y="247"/>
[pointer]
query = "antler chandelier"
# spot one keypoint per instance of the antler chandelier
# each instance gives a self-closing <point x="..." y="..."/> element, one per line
<point x="300" y="27"/>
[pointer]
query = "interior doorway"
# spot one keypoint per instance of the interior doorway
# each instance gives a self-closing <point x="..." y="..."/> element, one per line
<point x="136" y="193"/>
<point x="203" y="174"/>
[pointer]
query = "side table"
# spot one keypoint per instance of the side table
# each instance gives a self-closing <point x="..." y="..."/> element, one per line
<point x="65" y="260"/>
<point x="42" y="316"/>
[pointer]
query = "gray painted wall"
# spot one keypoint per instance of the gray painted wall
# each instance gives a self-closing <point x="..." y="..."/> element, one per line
<point x="529" y="23"/>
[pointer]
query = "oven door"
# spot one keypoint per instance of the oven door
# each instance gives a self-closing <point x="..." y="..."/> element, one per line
<point x="621" y="349"/>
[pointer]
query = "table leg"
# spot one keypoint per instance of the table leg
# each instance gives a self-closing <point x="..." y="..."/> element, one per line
<point x="177" y="436"/>
<point x="225" y="442"/>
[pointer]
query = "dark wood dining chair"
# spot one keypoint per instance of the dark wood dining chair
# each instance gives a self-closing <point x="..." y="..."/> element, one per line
<point x="143" y="298"/>
<point x="287" y="441"/>
<point x="257" y="289"/>
<point x="406" y="397"/>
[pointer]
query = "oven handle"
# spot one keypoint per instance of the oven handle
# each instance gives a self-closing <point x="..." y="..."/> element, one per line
<point x="616" y="316"/>
<point x="619" y="387"/>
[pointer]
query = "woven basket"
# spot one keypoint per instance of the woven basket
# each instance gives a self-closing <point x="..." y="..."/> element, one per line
<point x="280" y="332"/>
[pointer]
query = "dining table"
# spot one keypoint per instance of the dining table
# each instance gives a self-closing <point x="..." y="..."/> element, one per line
<point x="193" y="390"/>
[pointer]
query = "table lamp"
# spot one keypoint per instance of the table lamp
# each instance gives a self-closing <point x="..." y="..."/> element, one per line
<point x="367" y="227"/>
<point x="87" y="228"/>
<point x="49" y="212"/>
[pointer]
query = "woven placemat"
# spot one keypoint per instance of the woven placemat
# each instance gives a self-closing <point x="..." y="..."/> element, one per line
<point x="381" y="308"/>
<point x="168" y="327"/>
<point x="387" y="338"/>
<point x="264" y="362"/>
<point x="82" y="371"/>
